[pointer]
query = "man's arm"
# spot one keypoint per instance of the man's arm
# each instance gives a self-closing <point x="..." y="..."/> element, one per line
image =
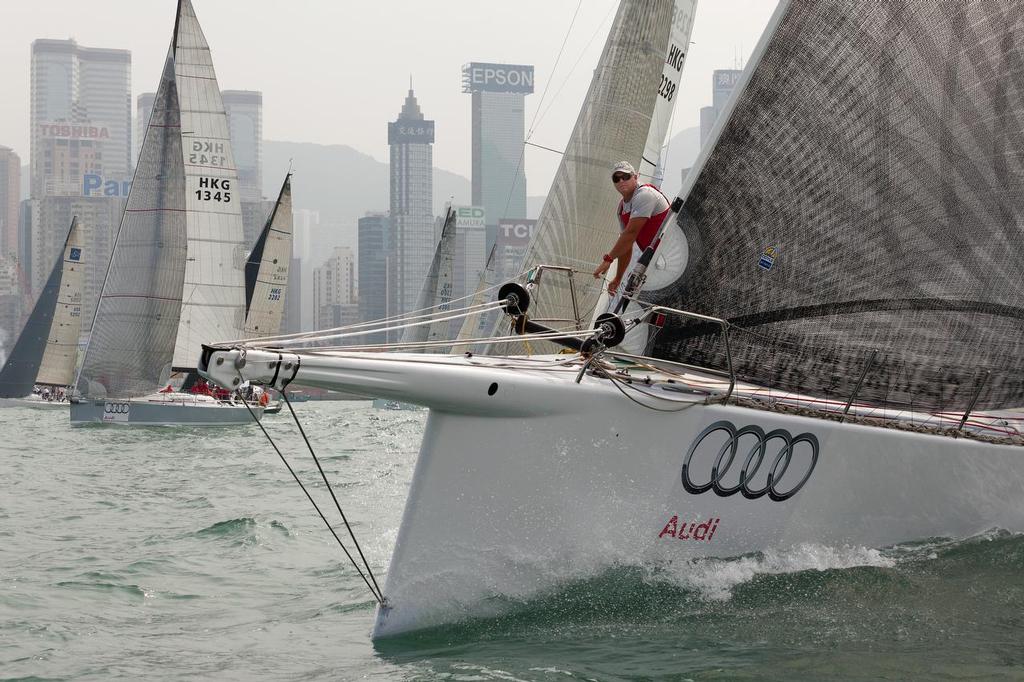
<point x="623" y="248"/>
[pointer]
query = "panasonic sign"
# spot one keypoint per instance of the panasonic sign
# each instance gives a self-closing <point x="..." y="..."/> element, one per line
<point x="481" y="77"/>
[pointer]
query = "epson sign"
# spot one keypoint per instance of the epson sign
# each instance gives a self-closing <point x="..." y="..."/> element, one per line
<point x="480" y="77"/>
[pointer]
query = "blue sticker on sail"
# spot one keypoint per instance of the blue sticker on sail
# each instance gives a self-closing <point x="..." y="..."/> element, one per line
<point x="767" y="259"/>
<point x="76" y="254"/>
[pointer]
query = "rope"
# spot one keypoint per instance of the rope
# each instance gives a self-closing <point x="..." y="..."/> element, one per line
<point x="378" y="596"/>
<point x="337" y="504"/>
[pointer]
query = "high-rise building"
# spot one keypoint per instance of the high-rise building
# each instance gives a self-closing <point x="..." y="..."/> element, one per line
<point x="499" y="125"/>
<point x="10" y="201"/>
<point x="334" y="284"/>
<point x="412" y="203"/>
<point x="245" y="120"/>
<point x="81" y="154"/>
<point x="470" y="253"/>
<point x="81" y="115"/>
<point x="293" y="300"/>
<point x="374" y="267"/>
<point x="723" y="81"/>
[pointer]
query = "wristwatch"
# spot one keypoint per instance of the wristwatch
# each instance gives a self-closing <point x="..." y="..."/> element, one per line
<point x="607" y="258"/>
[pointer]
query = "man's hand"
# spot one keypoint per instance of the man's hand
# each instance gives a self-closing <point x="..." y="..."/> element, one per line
<point x="601" y="269"/>
<point x="613" y="285"/>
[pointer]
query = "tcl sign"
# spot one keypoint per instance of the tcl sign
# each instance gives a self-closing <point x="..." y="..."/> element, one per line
<point x="516" y="232"/>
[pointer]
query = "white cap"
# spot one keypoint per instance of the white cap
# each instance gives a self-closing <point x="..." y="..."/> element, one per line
<point x="623" y="167"/>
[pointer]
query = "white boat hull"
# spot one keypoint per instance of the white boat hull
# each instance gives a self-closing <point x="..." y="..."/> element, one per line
<point x="525" y="478"/>
<point x="174" y="409"/>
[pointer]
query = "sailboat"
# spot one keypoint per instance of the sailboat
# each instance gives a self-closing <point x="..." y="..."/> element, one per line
<point x="45" y="353"/>
<point x="175" y="277"/>
<point x="836" y="360"/>
<point x="266" y="270"/>
<point x="436" y="293"/>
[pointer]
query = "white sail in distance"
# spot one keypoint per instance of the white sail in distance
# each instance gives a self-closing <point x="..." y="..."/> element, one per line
<point x="61" y="354"/>
<point x="267" y="269"/>
<point x="436" y="294"/>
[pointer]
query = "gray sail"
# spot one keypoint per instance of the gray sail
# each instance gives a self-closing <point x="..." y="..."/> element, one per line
<point x="136" y="318"/>
<point x="21" y="370"/>
<point x="859" y="209"/>
<point x="436" y="294"/>
<point x="266" y="270"/>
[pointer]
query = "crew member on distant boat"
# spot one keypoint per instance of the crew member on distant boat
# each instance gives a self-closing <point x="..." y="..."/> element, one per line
<point x="641" y="212"/>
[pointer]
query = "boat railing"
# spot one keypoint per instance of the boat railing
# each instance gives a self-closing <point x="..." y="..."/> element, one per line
<point x="533" y="278"/>
<point x="652" y="312"/>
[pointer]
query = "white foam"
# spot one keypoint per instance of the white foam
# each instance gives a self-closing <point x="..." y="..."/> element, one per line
<point x="716" y="578"/>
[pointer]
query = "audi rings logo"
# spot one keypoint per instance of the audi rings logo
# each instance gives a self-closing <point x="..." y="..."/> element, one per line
<point x="753" y="448"/>
<point x="116" y="408"/>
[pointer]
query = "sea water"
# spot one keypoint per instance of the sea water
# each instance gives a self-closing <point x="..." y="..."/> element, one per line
<point x="187" y="553"/>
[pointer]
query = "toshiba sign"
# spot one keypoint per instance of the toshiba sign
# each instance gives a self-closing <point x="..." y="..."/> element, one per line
<point x="73" y="132"/>
<point x="480" y="77"/>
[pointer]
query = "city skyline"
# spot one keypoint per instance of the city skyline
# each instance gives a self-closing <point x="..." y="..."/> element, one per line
<point x="312" y="71"/>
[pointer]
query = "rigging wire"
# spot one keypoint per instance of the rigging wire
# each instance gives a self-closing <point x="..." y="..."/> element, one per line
<point x="376" y="594"/>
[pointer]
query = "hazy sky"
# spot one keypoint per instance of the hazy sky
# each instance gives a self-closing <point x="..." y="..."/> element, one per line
<point x="335" y="71"/>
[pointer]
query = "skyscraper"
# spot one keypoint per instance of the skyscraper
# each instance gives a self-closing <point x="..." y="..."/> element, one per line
<point x="499" y="124"/>
<point x="410" y="137"/>
<point x="81" y="115"/>
<point x="374" y="268"/>
<point x="245" y="118"/>
<point x="80" y="158"/>
<point x="723" y="81"/>
<point x="10" y="200"/>
<point x="334" y="290"/>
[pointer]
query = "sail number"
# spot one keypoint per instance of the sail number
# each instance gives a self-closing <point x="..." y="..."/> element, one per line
<point x="667" y="89"/>
<point x="214" y="189"/>
<point x="206" y="153"/>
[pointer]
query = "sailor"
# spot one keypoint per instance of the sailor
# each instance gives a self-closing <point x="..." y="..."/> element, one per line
<point x="641" y="212"/>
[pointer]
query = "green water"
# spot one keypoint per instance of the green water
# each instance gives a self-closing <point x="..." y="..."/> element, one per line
<point x="177" y="553"/>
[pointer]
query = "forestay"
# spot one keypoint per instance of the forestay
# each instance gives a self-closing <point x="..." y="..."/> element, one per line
<point x="859" y="209"/>
<point x="266" y="270"/>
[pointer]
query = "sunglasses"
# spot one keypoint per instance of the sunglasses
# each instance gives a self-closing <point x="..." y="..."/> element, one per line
<point x="619" y="177"/>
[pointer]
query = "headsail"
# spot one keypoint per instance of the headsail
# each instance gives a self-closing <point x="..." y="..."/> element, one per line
<point x="436" y="294"/>
<point x="651" y="168"/>
<point x="47" y="347"/>
<point x="859" y="210"/>
<point x="266" y="271"/>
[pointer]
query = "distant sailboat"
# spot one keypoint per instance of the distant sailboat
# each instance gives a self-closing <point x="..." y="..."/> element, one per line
<point x="47" y="348"/>
<point x="175" y="275"/>
<point x="436" y="294"/>
<point x="266" y="270"/>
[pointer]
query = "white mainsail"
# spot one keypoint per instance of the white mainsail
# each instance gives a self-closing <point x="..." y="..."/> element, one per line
<point x="61" y="354"/>
<point x="213" y="296"/>
<point x="436" y="294"/>
<point x="266" y="272"/>
<point x="174" y="280"/>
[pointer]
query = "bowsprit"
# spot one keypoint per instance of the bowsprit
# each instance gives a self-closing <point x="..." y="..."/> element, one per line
<point x="761" y="443"/>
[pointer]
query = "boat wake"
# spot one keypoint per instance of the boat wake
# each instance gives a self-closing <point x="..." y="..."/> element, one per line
<point x="809" y="582"/>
